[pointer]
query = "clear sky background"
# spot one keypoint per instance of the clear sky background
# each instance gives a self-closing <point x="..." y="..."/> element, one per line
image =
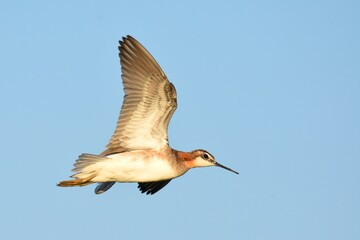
<point x="271" y="88"/>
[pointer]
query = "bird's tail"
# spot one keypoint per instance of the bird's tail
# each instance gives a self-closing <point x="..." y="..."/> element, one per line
<point x="85" y="170"/>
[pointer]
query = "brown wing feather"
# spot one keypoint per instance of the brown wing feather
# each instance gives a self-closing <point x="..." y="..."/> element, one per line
<point x="149" y="101"/>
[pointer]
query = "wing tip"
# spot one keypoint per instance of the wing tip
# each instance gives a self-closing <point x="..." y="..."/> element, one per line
<point x="151" y="188"/>
<point x="125" y="39"/>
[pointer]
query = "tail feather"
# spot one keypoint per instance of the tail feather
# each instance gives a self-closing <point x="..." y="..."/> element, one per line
<point x="85" y="171"/>
<point x="77" y="182"/>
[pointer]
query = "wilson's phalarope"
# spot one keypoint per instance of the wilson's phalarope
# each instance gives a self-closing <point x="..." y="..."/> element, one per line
<point x="139" y="150"/>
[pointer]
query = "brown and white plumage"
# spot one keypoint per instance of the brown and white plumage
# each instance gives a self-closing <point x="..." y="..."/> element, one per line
<point x="139" y="150"/>
<point x="149" y="102"/>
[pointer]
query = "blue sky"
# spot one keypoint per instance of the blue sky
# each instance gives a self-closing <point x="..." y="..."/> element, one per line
<point x="271" y="88"/>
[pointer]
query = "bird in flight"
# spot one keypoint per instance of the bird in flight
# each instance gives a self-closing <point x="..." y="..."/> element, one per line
<point x="139" y="150"/>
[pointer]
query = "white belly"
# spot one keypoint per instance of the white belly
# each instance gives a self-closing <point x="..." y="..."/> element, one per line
<point x="126" y="167"/>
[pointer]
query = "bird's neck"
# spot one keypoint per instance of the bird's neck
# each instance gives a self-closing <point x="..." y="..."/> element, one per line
<point x="187" y="158"/>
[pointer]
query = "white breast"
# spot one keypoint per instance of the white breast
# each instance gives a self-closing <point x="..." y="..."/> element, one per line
<point x="134" y="167"/>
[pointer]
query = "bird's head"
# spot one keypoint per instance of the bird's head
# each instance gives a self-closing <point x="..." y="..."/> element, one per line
<point x="202" y="158"/>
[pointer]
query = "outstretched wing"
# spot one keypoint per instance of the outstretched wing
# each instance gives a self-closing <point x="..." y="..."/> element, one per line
<point x="149" y="101"/>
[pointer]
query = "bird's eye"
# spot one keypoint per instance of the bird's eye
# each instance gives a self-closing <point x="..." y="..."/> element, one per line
<point x="205" y="156"/>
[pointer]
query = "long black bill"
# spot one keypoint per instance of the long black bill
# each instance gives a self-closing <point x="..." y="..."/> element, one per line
<point x="222" y="166"/>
